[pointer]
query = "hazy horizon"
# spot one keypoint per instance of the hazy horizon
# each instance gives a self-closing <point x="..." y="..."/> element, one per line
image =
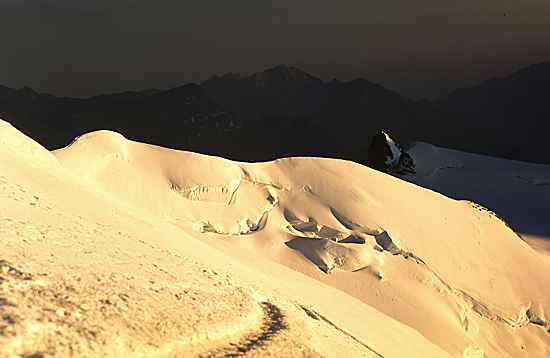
<point x="80" y="49"/>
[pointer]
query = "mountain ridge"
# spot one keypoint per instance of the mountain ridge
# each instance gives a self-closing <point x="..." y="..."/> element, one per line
<point x="228" y="115"/>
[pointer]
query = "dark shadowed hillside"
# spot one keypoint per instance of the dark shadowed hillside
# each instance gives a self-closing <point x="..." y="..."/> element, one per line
<point x="507" y="117"/>
<point x="284" y="111"/>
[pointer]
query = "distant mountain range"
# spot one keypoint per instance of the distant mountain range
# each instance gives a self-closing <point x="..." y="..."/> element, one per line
<point x="284" y="111"/>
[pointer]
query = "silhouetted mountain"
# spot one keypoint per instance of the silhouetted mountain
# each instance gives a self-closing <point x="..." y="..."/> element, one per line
<point x="302" y="115"/>
<point x="168" y="118"/>
<point x="507" y="117"/>
<point x="278" y="91"/>
<point x="284" y="111"/>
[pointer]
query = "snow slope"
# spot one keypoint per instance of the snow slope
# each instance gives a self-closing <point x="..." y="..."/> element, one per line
<point x="328" y="257"/>
<point x="519" y="192"/>
<point x="83" y="273"/>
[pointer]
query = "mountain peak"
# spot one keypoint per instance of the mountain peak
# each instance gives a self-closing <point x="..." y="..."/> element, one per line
<point x="518" y="84"/>
<point x="283" y="73"/>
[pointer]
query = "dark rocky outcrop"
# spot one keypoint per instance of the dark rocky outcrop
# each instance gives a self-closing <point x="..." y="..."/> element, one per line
<point x="388" y="156"/>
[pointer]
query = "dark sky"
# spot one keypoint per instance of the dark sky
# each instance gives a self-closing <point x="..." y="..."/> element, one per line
<point x="421" y="47"/>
